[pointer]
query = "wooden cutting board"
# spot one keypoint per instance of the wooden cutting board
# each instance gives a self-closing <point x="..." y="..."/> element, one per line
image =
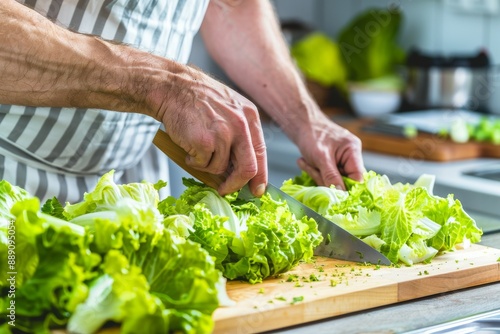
<point x="423" y="147"/>
<point x="345" y="287"/>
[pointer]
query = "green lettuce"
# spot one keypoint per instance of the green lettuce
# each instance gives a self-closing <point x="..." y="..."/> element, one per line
<point x="52" y="265"/>
<point x="320" y="59"/>
<point x="369" y="47"/>
<point x="248" y="240"/>
<point x="179" y="273"/>
<point x="406" y="222"/>
<point x="121" y="294"/>
<point x="112" y="258"/>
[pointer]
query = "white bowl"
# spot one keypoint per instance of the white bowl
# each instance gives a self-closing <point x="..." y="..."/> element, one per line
<point x="368" y="102"/>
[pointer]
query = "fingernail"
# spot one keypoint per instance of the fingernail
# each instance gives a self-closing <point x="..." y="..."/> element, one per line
<point x="260" y="190"/>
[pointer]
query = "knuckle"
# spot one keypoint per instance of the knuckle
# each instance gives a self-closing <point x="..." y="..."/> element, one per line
<point x="356" y="142"/>
<point x="260" y="149"/>
<point x="248" y="171"/>
<point x="251" y="112"/>
<point x="240" y="122"/>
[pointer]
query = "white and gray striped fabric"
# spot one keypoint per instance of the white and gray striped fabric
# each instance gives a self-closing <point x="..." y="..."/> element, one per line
<point x="62" y="152"/>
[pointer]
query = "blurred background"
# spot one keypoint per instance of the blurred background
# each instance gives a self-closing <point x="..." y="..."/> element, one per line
<point x="437" y="28"/>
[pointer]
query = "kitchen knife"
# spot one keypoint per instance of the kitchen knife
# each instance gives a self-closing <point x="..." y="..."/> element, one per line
<point x="337" y="242"/>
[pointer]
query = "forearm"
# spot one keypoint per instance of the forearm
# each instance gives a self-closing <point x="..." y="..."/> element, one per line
<point x="42" y="64"/>
<point x="246" y="41"/>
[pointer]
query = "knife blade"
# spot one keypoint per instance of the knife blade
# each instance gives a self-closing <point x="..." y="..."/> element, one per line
<point x="337" y="242"/>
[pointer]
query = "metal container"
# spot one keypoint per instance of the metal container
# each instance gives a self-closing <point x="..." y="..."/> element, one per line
<point x="434" y="81"/>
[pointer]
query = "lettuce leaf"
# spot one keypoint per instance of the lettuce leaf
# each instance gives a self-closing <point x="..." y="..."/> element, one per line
<point x="107" y="193"/>
<point x="121" y="294"/>
<point x="152" y="278"/>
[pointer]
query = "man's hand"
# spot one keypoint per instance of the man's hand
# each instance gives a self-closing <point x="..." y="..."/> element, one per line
<point x="327" y="143"/>
<point x="219" y="128"/>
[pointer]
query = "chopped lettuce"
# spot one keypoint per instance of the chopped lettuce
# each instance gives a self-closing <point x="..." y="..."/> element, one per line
<point x="487" y="130"/>
<point x="248" y="240"/>
<point x="406" y="222"/>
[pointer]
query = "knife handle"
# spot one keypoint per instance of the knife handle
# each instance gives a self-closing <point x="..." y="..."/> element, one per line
<point x="163" y="141"/>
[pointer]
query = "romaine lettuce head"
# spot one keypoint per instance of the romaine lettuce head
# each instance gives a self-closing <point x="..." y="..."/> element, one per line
<point x="319" y="58"/>
<point x="250" y="241"/>
<point x="369" y="55"/>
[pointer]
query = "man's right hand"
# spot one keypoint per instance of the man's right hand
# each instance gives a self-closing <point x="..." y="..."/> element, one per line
<point x="219" y="128"/>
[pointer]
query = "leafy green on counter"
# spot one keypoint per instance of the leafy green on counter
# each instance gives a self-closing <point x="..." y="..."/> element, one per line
<point x="486" y="130"/>
<point x="48" y="267"/>
<point x="405" y="222"/>
<point x="297" y="299"/>
<point x="248" y="241"/>
<point x="319" y="58"/>
<point x="410" y="131"/>
<point x="116" y="259"/>
<point x="120" y="294"/>
<point x="179" y="273"/>
<point x="369" y="44"/>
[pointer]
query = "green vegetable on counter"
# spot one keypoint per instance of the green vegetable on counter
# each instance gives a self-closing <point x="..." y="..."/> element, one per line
<point x="369" y="47"/>
<point x="319" y="58"/>
<point x="410" y="131"/>
<point x="48" y="264"/>
<point x="486" y="130"/>
<point x="113" y="257"/>
<point x="406" y="222"/>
